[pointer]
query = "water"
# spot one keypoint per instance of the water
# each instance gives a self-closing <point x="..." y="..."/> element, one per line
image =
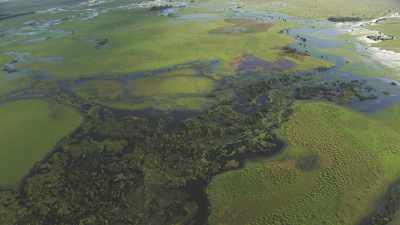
<point x="325" y="40"/>
<point x="318" y="38"/>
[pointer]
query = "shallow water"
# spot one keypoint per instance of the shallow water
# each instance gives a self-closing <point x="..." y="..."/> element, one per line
<point x="318" y="38"/>
<point x="323" y="39"/>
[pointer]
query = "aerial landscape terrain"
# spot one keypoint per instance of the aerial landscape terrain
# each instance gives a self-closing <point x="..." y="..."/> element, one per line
<point x="199" y="112"/>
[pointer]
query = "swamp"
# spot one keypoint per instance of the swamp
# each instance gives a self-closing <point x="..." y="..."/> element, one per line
<point x="199" y="112"/>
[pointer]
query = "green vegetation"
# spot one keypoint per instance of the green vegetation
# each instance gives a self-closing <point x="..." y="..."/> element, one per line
<point x="327" y="8"/>
<point x="390" y="117"/>
<point x="164" y="103"/>
<point x="99" y="89"/>
<point x="8" y="85"/>
<point x="126" y="118"/>
<point x="170" y="86"/>
<point x="137" y="41"/>
<point x="351" y="160"/>
<point x="30" y="129"/>
<point x="180" y="88"/>
<point x="389" y="27"/>
<point x="356" y="63"/>
<point x="151" y="167"/>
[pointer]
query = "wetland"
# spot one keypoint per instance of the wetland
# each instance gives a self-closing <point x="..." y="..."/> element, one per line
<point x="203" y="112"/>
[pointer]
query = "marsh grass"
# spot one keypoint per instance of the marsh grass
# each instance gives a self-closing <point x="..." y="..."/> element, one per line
<point x="170" y="86"/>
<point x="389" y="27"/>
<point x="99" y="89"/>
<point x="139" y="41"/>
<point x="390" y="117"/>
<point x="357" y="159"/>
<point x="181" y="88"/>
<point x="29" y="129"/>
<point x="323" y="9"/>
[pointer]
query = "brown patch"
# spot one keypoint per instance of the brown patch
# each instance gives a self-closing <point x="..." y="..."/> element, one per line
<point x="240" y="26"/>
<point x="250" y="63"/>
<point x="228" y="30"/>
<point x="293" y="53"/>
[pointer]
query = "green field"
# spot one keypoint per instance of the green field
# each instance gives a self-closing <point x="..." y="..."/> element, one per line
<point x="29" y="129"/>
<point x="138" y="41"/>
<point x="390" y="117"/>
<point x="170" y="86"/>
<point x="327" y="8"/>
<point x="164" y="103"/>
<point x="389" y="27"/>
<point x="152" y="105"/>
<point x="177" y="89"/>
<point x="99" y="89"/>
<point x="336" y="165"/>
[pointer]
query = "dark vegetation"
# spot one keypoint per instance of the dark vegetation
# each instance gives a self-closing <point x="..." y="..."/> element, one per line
<point x="337" y="91"/>
<point x="387" y="207"/>
<point x="380" y="37"/>
<point x="151" y="167"/>
<point x="160" y="7"/>
<point x="344" y="19"/>
<point x="10" y="16"/>
<point x="101" y="43"/>
<point x="308" y="163"/>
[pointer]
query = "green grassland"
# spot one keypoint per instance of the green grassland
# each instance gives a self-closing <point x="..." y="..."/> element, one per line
<point x="390" y="117"/>
<point x="358" y="64"/>
<point x="176" y="89"/>
<point x="138" y="41"/>
<point x="8" y="85"/>
<point x="327" y="8"/>
<point x="143" y="41"/>
<point x="389" y="27"/>
<point x="169" y="86"/>
<point x="99" y="89"/>
<point x="164" y="103"/>
<point x="150" y="42"/>
<point x="335" y="166"/>
<point x="29" y="129"/>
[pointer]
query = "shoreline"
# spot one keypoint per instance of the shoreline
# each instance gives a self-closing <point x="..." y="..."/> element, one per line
<point x="364" y="35"/>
